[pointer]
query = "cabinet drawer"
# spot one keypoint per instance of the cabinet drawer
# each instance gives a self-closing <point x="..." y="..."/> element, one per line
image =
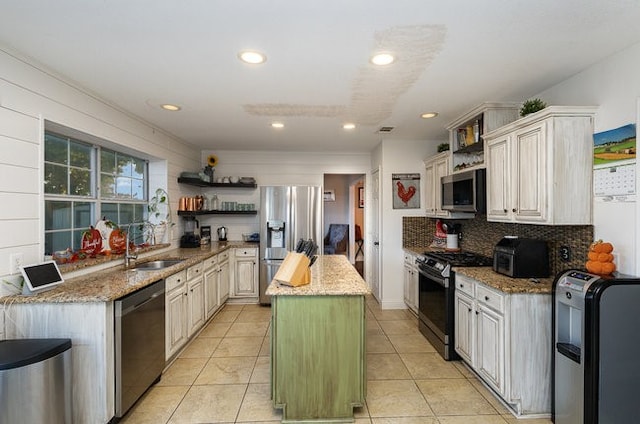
<point x="194" y="271"/>
<point x="251" y="251"/>
<point x="464" y="284"/>
<point x="175" y="280"/>
<point x="223" y="256"/>
<point x="210" y="262"/>
<point x="493" y="299"/>
<point x="409" y="258"/>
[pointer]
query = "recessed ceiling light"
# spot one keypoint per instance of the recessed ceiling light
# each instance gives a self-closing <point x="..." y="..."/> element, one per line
<point x="382" y="59"/>
<point x="170" y="107"/>
<point x="349" y="126"/>
<point x="277" y="125"/>
<point x="428" y="115"/>
<point x="251" y="56"/>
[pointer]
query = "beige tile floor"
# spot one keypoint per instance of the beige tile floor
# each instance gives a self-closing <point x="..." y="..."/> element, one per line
<point x="222" y="376"/>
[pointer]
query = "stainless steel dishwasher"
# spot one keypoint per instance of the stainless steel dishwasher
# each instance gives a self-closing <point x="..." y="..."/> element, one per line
<point x="139" y="344"/>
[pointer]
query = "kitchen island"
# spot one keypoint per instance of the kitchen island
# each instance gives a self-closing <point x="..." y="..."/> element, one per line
<point x="318" y="344"/>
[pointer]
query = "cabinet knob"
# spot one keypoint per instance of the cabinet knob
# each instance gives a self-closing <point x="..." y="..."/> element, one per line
<point x="469" y="309"/>
<point x="504" y="210"/>
<point x="486" y="298"/>
<point x="513" y="210"/>
<point x="477" y="312"/>
<point x="462" y="286"/>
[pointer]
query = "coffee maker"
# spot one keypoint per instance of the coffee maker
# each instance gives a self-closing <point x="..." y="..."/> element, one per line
<point x="191" y="236"/>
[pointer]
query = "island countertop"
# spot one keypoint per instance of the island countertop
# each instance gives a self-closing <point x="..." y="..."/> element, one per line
<point x="113" y="283"/>
<point x="331" y="275"/>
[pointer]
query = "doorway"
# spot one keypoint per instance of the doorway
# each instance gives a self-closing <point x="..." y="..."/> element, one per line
<point x="345" y="204"/>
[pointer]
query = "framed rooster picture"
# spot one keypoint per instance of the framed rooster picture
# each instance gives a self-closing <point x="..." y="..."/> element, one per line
<point x="406" y="191"/>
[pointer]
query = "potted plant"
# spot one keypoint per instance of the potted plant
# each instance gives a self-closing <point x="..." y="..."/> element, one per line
<point x="159" y="217"/>
<point x="531" y="106"/>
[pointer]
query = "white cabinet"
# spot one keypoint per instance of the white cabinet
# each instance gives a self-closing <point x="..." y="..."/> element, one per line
<point x="211" y="301"/>
<point x="245" y="273"/>
<point x="539" y="168"/>
<point x="175" y="313"/>
<point x="506" y="339"/>
<point x="224" y="274"/>
<point x="195" y="299"/>
<point x="410" y="282"/>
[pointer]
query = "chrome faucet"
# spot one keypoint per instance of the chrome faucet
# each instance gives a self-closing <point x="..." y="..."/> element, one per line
<point x="127" y="255"/>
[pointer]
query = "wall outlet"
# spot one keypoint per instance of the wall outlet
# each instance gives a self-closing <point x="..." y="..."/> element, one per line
<point x="565" y="253"/>
<point x="15" y="261"/>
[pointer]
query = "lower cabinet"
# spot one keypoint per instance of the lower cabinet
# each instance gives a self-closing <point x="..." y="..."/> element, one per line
<point x="195" y="299"/>
<point x="175" y="313"/>
<point x="245" y="273"/>
<point x="410" y="277"/>
<point x="211" y="272"/>
<point x="506" y="339"/>
<point x="224" y="274"/>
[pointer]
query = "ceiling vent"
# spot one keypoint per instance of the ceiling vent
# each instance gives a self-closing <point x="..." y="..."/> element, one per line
<point x="385" y="129"/>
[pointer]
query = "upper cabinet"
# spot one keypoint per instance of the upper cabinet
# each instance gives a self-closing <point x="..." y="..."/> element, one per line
<point x="466" y="134"/>
<point x="539" y="168"/>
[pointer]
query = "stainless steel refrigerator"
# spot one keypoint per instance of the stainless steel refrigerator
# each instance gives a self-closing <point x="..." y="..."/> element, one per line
<point x="287" y="214"/>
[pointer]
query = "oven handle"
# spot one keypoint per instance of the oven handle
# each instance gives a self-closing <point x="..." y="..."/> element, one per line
<point x="440" y="280"/>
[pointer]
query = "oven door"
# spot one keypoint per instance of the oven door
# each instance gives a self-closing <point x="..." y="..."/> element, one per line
<point x="435" y="312"/>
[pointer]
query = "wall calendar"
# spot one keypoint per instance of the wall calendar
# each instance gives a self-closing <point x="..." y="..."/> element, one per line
<point x="614" y="164"/>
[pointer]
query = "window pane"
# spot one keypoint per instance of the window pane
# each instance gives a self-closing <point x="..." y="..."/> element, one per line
<point x="80" y="182"/>
<point x="139" y="212"/>
<point x="80" y="155"/>
<point x="139" y="168"/>
<point x="77" y="239"/>
<point x="125" y="164"/>
<point x="107" y="186"/>
<point x="107" y="161"/>
<point x="123" y="188"/>
<point x="54" y="242"/>
<point x="110" y="211"/>
<point x="126" y="214"/>
<point x="55" y="149"/>
<point x="55" y="179"/>
<point x="82" y="215"/>
<point x="137" y="189"/>
<point x="57" y="215"/>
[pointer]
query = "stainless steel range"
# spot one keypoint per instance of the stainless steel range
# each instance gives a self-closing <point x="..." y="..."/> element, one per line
<point x="436" y="296"/>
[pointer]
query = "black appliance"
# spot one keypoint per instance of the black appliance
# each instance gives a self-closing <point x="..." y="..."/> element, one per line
<point x="595" y="349"/>
<point x="521" y="257"/>
<point x="436" y="289"/>
<point x="464" y="192"/>
<point x="190" y="238"/>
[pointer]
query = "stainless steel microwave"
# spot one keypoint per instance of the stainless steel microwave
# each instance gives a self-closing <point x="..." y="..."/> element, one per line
<point x="464" y="192"/>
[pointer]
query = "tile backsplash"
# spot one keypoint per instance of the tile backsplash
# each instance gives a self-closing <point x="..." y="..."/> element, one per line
<point x="481" y="236"/>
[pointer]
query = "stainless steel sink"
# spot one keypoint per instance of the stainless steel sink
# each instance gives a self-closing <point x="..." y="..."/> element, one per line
<point x="155" y="265"/>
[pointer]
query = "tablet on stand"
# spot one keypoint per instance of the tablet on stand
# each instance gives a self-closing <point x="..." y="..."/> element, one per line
<point x="39" y="278"/>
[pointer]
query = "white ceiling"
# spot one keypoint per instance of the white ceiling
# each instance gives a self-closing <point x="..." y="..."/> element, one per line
<point x="452" y="55"/>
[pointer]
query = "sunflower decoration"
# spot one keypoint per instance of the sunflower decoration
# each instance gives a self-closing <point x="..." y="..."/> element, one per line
<point x="212" y="160"/>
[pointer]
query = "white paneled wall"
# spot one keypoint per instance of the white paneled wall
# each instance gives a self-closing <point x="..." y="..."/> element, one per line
<point x="31" y="95"/>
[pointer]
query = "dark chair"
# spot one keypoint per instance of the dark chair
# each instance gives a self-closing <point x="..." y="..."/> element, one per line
<point x="337" y="239"/>
<point x="359" y="241"/>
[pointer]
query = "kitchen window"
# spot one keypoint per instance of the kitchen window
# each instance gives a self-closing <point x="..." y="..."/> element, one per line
<point x="84" y="182"/>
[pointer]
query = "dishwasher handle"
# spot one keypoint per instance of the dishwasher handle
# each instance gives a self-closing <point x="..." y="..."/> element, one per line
<point x="139" y="298"/>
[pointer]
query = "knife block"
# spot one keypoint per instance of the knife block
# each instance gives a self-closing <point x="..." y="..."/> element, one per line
<point x="294" y="270"/>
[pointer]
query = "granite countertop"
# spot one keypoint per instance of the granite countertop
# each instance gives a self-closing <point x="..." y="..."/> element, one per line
<point x="115" y="282"/>
<point x="488" y="276"/>
<point x="330" y="275"/>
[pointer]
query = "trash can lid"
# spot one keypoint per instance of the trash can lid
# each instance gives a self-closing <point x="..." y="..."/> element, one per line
<point x="21" y="352"/>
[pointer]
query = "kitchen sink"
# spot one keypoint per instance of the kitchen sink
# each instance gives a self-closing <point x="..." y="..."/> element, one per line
<point x="155" y="265"/>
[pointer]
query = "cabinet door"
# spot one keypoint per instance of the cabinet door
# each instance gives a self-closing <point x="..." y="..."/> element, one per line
<point x="195" y="305"/>
<point x="490" y="359"/>
<point x="464" y="324"/>
<point x="176" y="320"/>
<point x="245" y="281"/>
<point x="441" y="170"/>
<point x="409" y="298"/>
<point x="210" y="292"/>
<point x="499" y="180"/>
<point x="223" y="282"/>
<point x="530" y="179"/>
<point x="430" y="186"/>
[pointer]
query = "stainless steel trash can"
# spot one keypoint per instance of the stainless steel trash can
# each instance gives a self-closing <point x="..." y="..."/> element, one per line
<point x="35" y="381"/>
